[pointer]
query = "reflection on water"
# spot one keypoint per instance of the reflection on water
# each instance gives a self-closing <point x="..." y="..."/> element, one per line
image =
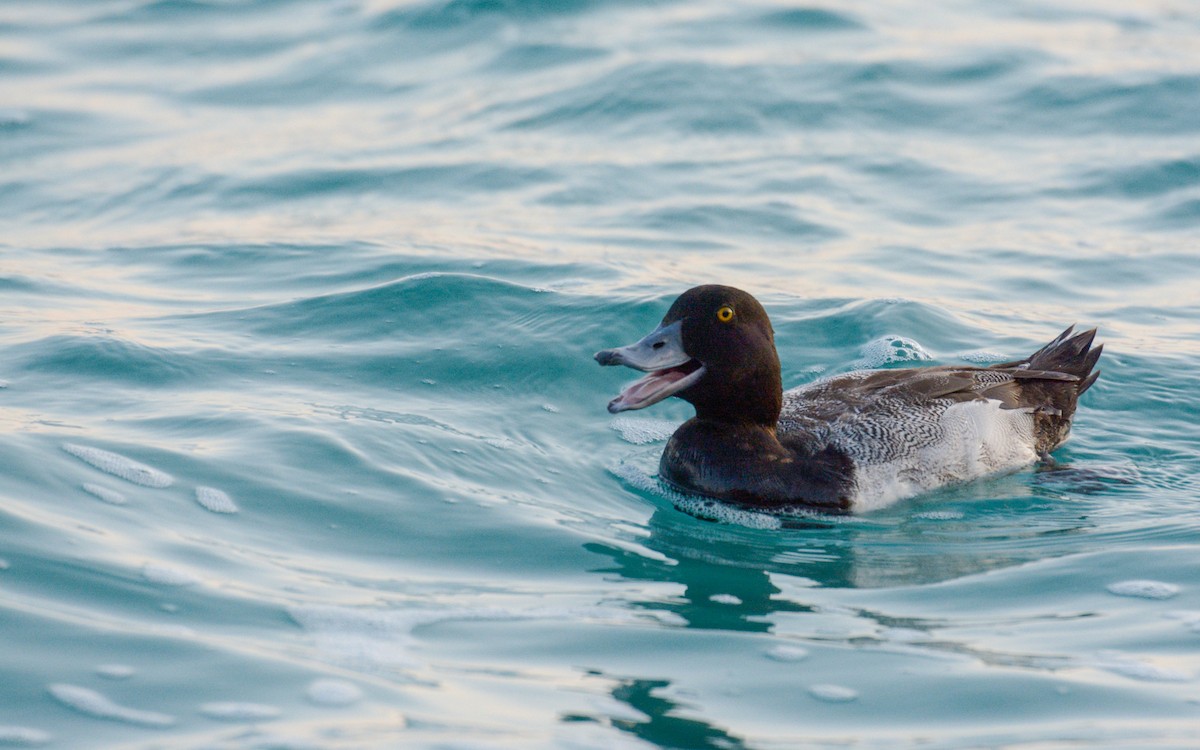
<point x="661" y="727"/>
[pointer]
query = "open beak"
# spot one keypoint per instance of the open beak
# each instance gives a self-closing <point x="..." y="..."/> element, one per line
<point x="660" y="354"/>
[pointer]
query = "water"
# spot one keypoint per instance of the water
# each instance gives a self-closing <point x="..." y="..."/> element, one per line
<point x="303" y="445"/>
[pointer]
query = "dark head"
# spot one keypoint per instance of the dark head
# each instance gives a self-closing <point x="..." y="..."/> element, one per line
<point x="715" y="348"/>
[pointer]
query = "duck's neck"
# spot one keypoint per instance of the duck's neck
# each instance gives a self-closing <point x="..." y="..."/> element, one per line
<point x="751" y="398"/>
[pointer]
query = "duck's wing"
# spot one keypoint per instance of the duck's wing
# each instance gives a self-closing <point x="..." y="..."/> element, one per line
<point x="858" y="395"/>
<point x="880" y="410"/>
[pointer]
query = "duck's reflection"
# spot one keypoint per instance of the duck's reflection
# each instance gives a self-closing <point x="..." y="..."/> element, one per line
<point x="660" y="726"/>
<point x="731" y="574"/>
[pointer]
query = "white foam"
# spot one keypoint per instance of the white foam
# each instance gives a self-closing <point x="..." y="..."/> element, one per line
<point x="94" y="704"/>
<point x="833" y="693"/>
<point x="641" y="431"/>
<point x="725" y="599"/>
<point x="23" y="736"/>
<point x="167" y="575"/>
<point x="696" y="505"/>
<point x="940" y="515"/>
<point x="889" y="350"/>
<point x="215" y="501"/>
<point x="330" y="692"/>
<point x="1144" y="589"/>
<point x="982" y="356"/>
<point x="786" y="653"/>
<point x="112" y="497"/>
<point x="715" y="510"/>
<point x="120" y="466"/>
<point x="235" y="711"/>
<point x="115" y="671"/>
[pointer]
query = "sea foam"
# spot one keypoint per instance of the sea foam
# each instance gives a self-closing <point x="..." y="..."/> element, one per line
<point x="119" y="466"/>
<point x="215" y="501"/>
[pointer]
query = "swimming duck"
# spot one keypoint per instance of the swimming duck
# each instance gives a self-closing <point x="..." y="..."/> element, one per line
<point x="849" y="443"/>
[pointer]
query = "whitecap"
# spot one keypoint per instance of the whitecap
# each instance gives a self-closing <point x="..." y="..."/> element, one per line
<point x="23" y="736"/>
<point x="330" y="692"/>
<point x="119" y="466"/>
<point x="112" y="497"/>
<point x="833" y="693"/>
<point x="786" y="653"/>
<point x="1144" y="589"/>
<point x="94" y="704"/>
<point x="237" y="711"/>
<point x="215" y="501"/>
<point x="167" y="575"/>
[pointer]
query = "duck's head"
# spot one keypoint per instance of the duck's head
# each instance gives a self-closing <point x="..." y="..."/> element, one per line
<point x="714" y="348"/>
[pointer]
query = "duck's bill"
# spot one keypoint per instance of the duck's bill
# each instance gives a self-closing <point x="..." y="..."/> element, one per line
<point x="660" y="354"/>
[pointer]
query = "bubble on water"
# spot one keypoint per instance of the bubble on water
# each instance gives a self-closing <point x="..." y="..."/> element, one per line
<point x="833" y="693"/>
<point x="643" y="431"/>
<point x="715" y="510"/>
<point x="167" y="575"/>
<point x="940" y="515"/>
<point x="236" y="711"/>
<point x="550" y="408"/>
<point x="1144" y="589"/>
<point x="99" y="706"/>
<point x="725" y="599"/>
<point x="786" y="653"/>
<point x="115" y="671"/>
<point x="23" y="736"/>
<point x="890" y="350"/>
<point x="112" y="497"/>
<point x="695" y="505"/>
<point x="120" y="466"/>
<point x="982" y="356"/>
<point x="215" y="501"/>
<point x="330" y="692"/>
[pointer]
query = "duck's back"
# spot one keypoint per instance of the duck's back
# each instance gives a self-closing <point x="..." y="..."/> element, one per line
<point x="910" y="431"/>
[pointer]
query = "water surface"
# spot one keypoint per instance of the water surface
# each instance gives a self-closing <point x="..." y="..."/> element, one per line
<point x="302" y="441"/>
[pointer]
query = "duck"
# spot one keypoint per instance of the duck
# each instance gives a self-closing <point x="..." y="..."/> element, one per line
<point x="849" y="443"/>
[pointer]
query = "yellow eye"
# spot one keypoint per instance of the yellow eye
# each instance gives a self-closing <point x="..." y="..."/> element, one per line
<point x="725" y="314"/>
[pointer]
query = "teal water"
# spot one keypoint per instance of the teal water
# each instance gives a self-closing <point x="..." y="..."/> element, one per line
<point x="302" y="444"/>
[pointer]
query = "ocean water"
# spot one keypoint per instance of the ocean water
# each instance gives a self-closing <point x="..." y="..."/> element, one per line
<point x="302" y="444"/>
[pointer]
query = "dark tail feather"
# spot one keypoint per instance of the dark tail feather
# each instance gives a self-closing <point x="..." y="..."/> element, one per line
<point x="1070" y="354"/>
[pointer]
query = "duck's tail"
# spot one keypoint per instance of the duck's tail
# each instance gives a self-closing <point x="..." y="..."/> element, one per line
<point x="1069" y="354"/>
<point x="1052" y="379"/>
